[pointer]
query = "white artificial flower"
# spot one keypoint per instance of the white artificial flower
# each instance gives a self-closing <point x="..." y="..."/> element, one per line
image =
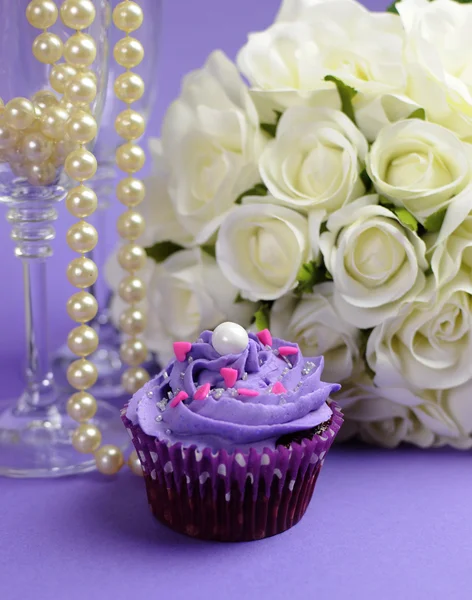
<point x="319" y="329"/>
<point x="287" y="63"/>
<point x="389" y="416"/>
<point x="419" y="165"/>
<point x="377" y="264"/>
<point x="261" y="247"/>
<point x="211" y="141"/>
<point x="186" y="294"/>
<point x="439" y="60"/>
<point x="451" y="248"/>
<point x="428" y="345"/>
<point x="315" y="160"/>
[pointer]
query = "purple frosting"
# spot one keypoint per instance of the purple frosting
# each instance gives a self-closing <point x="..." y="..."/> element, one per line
<point x="225" y="419"/>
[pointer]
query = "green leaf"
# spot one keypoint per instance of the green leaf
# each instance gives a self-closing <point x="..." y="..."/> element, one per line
<point x="393" y="8"/>
<point x="162" y="250"/>
<point x="309" y="275"/>
<point x="271" y="128"/>
<point x="366" y="180"/>
<point x="346" y="93"/>
<point x="258" y="190"/>
<point x="434" y="222"/>
<point x="239" y="299"/>
<point x="406" y="218"/>
<point x="262" y="316"/>
<point x="419" y="113"/>
<point x="209" y="249"/>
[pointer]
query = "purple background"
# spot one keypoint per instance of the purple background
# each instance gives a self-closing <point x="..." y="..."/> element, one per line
<point x="382" y="525"/>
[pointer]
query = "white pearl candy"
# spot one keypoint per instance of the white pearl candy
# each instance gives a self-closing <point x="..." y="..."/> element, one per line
<point x="229" y="338"/>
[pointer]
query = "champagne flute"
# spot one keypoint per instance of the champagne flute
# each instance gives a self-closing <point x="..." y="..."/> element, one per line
<point x="35" y="430"/>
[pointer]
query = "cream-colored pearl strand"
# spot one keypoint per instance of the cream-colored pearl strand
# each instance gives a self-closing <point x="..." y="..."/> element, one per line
<point x="81" y="165"/>
<point x="130" y="158"/>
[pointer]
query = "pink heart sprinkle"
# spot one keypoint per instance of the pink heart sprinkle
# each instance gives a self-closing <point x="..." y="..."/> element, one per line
<point x="202" y="392"/>
<point x="278" y="388"/>
<point x="181" y="396"/>
<point x="229" y="375"/>
<point x="247" y="392"/>
<point x="181" y="349"/>
<point x="265" y="337"/>
<point x="287" y="350"/>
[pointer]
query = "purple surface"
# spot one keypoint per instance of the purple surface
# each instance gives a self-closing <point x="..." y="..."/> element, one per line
<point x="382" y="525"/>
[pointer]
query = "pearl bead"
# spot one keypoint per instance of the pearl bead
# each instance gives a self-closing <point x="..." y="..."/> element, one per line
<point x="82" y="340"/>
<point x="81" y="201"/>
<point x="128" y="16"/>
<point x="41" y="14"/>
<point x="81" y="89"/>
<point x="19" y="113"/>
<point x="82" y="374"/>
<point x="86" y="438"/>
<point x="36" y="147"/>
<point x="80" y="50"/>
<point x="82" y="237"/>
<point x="82" y="272"/>
<point x="130" y="125"/>
<point x="129" y="87"/>
<point x="8" y="137"/>
<point x="229" y="338"/>
<point x="128" y="52"/>
<point x="81" y="127"/>
<point x="134" y="464"/>
<point x="133" y="352"/>
<point x="43" y="99"/>
<point x="53" y="122"/>
<point x="78" y="14"/>
<point x="131" y="191"/>
<point x="59" y="76"/>
<point x="130" y="225"/>
<point x="132" y="321"/>
<point x="41" y="174"/>
<point x="47" y="48"/>
<point x="132" y="257"/>
<point x="81" y="165"/>
<point x="62" y="149"/>
<point x="81" y="407"/>
<point x="130" y="158"/>
<point x="133" y="379"/>
<point x="132" y="289"/>
<point x="82" y="307"/>
<point x="109" y="460"/>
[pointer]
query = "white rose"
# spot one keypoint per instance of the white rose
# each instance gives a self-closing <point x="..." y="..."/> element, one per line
<point x="419" y="165"/>
<point x="374" y="112"/>
<point x="451" y="248"/>
<point x="186" y="294"/>
<point x="389" y="416"/>
<point x="376" y="263"/>
<point x="429" y="343"/>
<point x="319" y="329"/>
<point x="315" y="160"/>
<point x="439" y="60"/>
<point x="261" y="247"/>
<point x="211" y="142"/>
<point x="288" y="62"/>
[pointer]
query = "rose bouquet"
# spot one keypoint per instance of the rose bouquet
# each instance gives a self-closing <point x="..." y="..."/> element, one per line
<point x="323" y="187"/>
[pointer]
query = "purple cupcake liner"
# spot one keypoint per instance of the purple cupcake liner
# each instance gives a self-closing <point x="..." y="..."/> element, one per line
<point x="242" y="496"/>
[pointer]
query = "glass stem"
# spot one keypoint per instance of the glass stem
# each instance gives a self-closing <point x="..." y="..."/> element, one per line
<point x="39" y="391"/>
<point x="32" y="231"/>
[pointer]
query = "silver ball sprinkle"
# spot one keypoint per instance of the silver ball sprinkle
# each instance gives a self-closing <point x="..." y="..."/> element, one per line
<point x="150" y="394"/>
<point x="168" y="432"/>
<point x="159" y="418"/>
<point x="244" y="377"/>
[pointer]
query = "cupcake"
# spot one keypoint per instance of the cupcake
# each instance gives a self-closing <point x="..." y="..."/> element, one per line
<point x="232" y="435"/>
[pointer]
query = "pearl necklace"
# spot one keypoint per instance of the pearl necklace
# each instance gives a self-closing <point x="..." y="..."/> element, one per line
<point x="79" y="87"/>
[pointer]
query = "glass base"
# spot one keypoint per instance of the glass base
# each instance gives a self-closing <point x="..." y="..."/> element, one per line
<point x="38" y="443"/>
<point x="108" y="362"/>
